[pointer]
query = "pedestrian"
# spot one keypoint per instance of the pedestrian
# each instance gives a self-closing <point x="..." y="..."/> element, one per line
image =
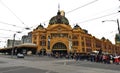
<point x="116" y="60"/>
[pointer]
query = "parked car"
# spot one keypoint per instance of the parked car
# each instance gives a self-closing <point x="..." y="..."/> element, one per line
<point x="20" y="55"/>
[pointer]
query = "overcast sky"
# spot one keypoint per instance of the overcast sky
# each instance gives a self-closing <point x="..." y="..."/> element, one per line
<point x="15" y="15"/>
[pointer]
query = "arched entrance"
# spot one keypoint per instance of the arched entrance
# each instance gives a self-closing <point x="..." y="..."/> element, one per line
<point x="59" y="48"/>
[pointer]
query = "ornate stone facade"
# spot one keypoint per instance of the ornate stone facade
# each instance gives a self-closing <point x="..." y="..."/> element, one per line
<point x="59" y="36"/>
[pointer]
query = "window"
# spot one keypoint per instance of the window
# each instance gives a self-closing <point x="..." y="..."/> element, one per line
<point x="82" y="43"/>
<point x="98" y="44"/>
<point x="34" y="42"/>
<point x="83" y="49"/>
<point x="74" y="37"/>
<point x="88" y="42"/>
<point x="81" y="38"/>
<point x="35" y="38"/>
<point x="75" y="43"/>
<point x="43" y="37"/>
<point x="42" y="43"/>
<point x="54" y="35"/>
<point x="88" y="49"/>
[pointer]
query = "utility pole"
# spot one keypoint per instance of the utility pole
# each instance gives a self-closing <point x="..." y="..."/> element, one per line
<point x="12" y="52"/>
<point x="118" y="26"/>
<point x="117" y="37"/>
<point x="42" y="48"/>
<point x="13" y="43"/>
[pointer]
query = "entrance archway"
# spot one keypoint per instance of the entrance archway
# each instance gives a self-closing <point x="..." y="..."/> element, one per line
<point x="59" y="48"/>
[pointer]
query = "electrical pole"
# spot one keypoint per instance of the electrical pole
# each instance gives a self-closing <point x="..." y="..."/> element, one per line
<point x="118" y="26"/>
<point x="12" y="52"/>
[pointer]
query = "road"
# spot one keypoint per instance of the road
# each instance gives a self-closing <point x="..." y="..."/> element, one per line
<point x="36" y="64"/>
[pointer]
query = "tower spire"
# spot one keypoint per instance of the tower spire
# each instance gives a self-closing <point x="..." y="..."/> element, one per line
<point x="58" y="13"/>
<point x="58" y="7"/>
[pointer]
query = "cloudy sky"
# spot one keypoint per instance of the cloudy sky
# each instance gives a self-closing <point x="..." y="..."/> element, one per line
<point x="16" y="15"/>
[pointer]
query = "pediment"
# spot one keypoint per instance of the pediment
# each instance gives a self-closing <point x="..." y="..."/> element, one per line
<point x="59" y="27"/>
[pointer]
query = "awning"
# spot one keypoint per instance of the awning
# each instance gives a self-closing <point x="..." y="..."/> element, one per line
<point x="27" y="45"/>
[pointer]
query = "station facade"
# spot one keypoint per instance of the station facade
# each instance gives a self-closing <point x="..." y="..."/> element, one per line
<point x="59" y="36"/>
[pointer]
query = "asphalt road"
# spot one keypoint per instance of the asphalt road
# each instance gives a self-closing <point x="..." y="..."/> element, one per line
<point x="22" y="69"/>
<point x="92" y="65"/>
<point x="36" y="64"/>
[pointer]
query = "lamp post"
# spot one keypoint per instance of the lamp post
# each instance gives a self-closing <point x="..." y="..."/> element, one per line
<point x="117" y="21"/>
<point x="42" y="45"/>
<point x="13" y="43"/>
<point x="42" y="48"/>
<point x="12" y="52"/>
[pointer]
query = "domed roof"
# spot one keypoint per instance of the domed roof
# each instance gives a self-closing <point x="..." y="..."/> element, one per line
<point x="59" y="19"/>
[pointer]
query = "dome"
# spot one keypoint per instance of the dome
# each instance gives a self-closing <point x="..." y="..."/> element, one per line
<point x="59" y="19"/>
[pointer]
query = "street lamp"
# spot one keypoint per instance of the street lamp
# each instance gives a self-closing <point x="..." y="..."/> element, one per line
<point x="13" y="42"/>
<point x="42" y="44"/>
<point x="117" y="21"/>
<point x="42" y="48"/>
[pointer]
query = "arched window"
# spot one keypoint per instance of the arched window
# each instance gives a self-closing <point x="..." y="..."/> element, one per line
<point x="43" y="37"/>
<point x="74" y="37"/>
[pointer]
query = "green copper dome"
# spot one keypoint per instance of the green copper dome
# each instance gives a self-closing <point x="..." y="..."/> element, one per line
<point x="59" y="19"/>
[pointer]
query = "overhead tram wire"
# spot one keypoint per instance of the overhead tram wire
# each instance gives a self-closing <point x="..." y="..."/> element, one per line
<point x="108" y="33"/>
<point x="81" y="6"/>
<point x="98" y="17"/>
<point x="100" y="13"/>
<point x="12" y="12"/>
<point x="9" y="30"/>
<point x="107" y="10"/>
<point x="11" y="24"/>
<point x="5" y="37"/>
<point x="40" y="23"/>
<point x="73" y="10"/>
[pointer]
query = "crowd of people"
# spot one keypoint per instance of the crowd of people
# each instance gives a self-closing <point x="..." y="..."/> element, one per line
<point x="103" y="58"/>
<point x="100" y="58"/>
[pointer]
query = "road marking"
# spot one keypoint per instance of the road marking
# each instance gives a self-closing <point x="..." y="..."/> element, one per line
<point x="12" y="70"/>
